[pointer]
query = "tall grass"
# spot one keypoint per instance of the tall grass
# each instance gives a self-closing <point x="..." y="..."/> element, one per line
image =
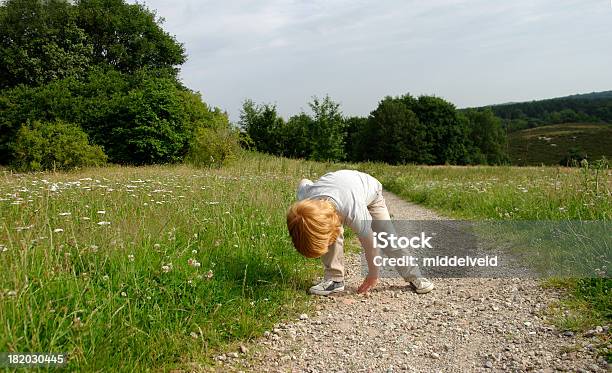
<point x="517" y="193"/>
<point x="153" y="267"/>
<point x="506" y="193"/>
<point x="160" y="267"/>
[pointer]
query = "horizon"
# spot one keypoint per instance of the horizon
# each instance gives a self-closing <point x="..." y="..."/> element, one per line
<point x="471" y="53"/>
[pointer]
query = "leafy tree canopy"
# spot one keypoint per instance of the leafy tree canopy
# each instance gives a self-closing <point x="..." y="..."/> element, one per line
<point x="44" y="40"/>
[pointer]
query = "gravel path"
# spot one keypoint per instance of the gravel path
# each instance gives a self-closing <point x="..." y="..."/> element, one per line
<point x="464" y="325"/>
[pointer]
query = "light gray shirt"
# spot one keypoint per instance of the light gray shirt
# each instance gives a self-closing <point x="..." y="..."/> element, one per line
<point x="351" y="192"/>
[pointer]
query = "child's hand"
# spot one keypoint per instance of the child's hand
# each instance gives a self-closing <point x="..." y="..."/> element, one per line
<point x="368" y="283"/>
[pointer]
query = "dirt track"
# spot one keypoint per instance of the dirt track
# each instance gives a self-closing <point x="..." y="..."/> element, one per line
<point x="464" y="325"/>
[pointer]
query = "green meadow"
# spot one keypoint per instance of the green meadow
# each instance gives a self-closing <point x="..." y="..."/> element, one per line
<point x="521" y="194"/>
<point x="161" y="267"/>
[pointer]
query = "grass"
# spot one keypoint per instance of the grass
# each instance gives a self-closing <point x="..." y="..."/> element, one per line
<point x="520" y="194"/>
<point x="548" y="145"/>
<point x="162" y="267"/>
<point x="154" y="267"/>
<point x="588" y="304"/>
<point x="507" y="193"/>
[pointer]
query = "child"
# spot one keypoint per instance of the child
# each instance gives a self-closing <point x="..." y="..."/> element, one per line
<point x="315" y="224"/>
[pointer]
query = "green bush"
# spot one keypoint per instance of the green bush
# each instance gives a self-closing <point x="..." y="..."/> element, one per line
<point x="53" y="145"/>
<point x="214" y="147"/>
<point x="573" y="157"/>
<point x="139" y="118"/>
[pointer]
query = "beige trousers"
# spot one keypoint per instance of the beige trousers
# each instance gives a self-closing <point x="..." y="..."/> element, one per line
<point x="333" y="260"/>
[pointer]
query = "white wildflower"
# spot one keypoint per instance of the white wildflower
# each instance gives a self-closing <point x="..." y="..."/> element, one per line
<point x="101" y="212"/>
<point x="19" y="229"/>
<point x="131" y="257"/>
<point x="104" y="223"/>
<point x="209" y="274"/>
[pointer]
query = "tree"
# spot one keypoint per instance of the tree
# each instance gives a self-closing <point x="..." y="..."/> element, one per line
<point x="140" y="118"/>
<point x="263" y="125"/>
<point x="395" y="135"/>
<point x="106" y="66"/>
<point x="41" y="41"/>
<point x="295" y="137"/>
<point x="591" y="107"/>
<point x="355" y="147"/>
<point x="445" y="133"/>
<point x="487" y="138"/>
<point x="128" y="36"/>
<point x="326" y="130"/>
<point x="45" y="40"/>
<point x="573" y="157"/>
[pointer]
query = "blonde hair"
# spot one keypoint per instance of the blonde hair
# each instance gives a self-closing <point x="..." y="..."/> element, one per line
<point x="313" y="225"/>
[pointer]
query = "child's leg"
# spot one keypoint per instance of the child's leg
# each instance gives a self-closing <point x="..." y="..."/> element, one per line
<point x="381" y="221"/>
<point x="333" y="260"/>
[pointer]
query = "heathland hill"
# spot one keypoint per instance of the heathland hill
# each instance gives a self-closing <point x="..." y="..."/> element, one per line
<point x="556" y="144"/>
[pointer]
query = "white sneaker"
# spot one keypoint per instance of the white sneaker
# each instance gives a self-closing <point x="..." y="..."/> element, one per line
<point x="327" y="287"/>
<point x="422" y="285"/>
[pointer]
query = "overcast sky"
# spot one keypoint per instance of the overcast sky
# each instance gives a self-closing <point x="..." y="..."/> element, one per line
<point x="469" y="52"/>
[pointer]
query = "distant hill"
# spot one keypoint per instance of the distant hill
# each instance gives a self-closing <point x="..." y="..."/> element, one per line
<point x="553" y="144"/>
<point x="591" y="96"/>
<point x="594" y="107"/>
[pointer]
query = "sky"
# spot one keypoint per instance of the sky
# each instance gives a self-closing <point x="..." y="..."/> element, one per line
<point x="471" y="53"/>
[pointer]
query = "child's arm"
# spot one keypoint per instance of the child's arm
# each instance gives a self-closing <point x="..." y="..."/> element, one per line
<point x="373" y="271"/>
<point x="370" y="253"/>
<point x="360" y="222"/>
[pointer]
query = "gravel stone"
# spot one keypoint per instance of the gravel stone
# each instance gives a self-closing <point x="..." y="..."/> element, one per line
<point x="464" y="325"/>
